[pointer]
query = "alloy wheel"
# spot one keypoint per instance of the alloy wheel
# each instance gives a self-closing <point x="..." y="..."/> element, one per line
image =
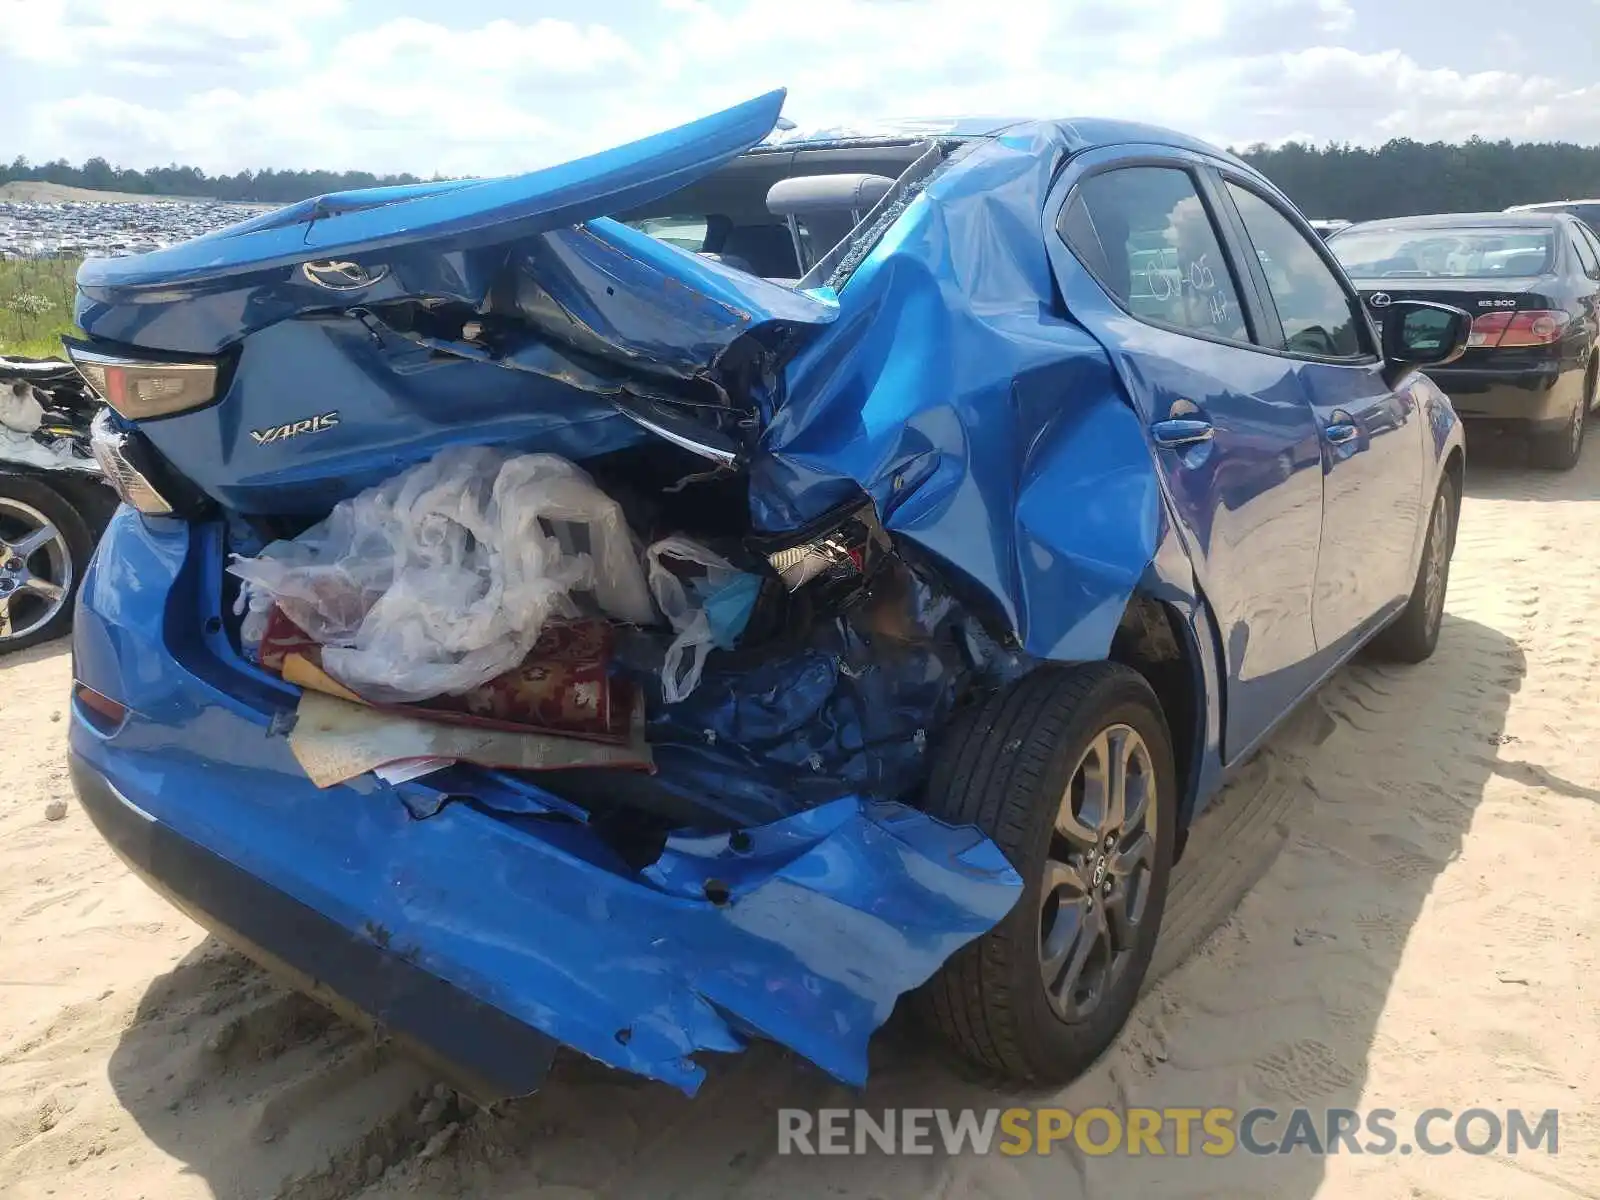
<point x="35" y="569"/>
<point x="1097" y="875"/>
<point x="1438" y="552"/>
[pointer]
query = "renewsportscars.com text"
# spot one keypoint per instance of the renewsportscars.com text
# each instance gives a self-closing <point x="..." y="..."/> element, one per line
<point x="1167" y="1131"/>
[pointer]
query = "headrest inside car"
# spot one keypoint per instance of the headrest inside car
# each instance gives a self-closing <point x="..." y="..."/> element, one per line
<point x="826" y="193"/>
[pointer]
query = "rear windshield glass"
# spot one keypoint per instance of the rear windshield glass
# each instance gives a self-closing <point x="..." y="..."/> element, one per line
<point x="1587" y="211"/>
<point x="757" y="246"/>
<point x="687" y="233"/>
<point x="1589" y="214"/>
<point x="1444" y="253"/>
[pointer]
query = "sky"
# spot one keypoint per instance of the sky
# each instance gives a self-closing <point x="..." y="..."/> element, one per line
<point x="495" y="86"/>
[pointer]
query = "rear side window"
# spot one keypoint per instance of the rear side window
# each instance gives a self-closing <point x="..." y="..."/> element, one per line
<point x="1586" y="255"/>
<point x="1144" y="233"/>
<point x="1592" y="239"/>
<point x="1313" y="307"/>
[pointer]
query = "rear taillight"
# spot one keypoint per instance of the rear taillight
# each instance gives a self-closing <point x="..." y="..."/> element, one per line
<point x="113" y="450"/>
<point x="140" y="389"/>
<point x="1503" y="330"/>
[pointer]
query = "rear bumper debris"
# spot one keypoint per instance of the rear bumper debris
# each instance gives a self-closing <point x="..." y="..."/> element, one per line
<point x="483" y="932"/>
<point x="487" y="1053"/>
<point x="483" y="945"/>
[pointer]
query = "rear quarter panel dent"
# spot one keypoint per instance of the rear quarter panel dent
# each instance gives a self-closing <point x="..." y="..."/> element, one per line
<point x="988" y="429"/>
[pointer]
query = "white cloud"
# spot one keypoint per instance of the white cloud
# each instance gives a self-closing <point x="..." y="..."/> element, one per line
<point x="148" y="37"/>
<point x="226" y="84"/>
<point x="1389" y="94"/>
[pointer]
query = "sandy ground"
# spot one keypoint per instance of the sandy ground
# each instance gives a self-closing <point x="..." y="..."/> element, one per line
<point x="1415" y="856"/>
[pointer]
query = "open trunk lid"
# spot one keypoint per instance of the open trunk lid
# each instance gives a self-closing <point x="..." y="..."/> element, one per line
<point x="535" y="249"/>
<point x="510" y="310"/>
<point x="447" y="214"/>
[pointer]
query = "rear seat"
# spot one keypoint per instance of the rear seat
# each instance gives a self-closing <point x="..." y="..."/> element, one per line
<point x="822" y="209"/>
<point x="764" y="250"/>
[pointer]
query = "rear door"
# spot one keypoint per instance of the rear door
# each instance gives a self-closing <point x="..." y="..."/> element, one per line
<point x="1587" y="297"/>
<point x="1372" y="437"/>
<point x="1235" y="439"/>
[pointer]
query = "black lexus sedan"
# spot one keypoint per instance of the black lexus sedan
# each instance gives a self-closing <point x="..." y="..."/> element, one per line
<point x="1532" y="281"/>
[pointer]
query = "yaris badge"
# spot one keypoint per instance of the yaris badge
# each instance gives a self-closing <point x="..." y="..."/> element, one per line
<point x="277" y="433"/>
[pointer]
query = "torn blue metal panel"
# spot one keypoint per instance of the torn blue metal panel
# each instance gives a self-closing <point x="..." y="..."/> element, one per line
<point x="831" y="914"/>
<point x="611" y="290"/>
<point x="398" y="403"/>
<point x="865" y="901"/>
<point x="987" y="429"/>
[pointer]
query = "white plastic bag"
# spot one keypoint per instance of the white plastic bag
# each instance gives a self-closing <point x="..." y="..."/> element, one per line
<point x="20" y="410"/>
<point x="685" y="610"/>
<point x="442" y="578"/>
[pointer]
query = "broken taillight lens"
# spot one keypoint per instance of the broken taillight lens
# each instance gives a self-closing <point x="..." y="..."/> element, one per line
<point x="836" y="555"/>
<point x="113" y="451"/>
<point x="799" y="565"/>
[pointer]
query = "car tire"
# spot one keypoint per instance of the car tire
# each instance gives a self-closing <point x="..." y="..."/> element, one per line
<point x="1016" y="767"/>
<point x="28" y="615"/>
<point x="1412" y="636"/>
<point x="1561" y="451"/>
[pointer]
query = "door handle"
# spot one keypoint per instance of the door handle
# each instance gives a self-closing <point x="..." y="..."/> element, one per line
<point x="1181" y="431"/>
<point x="1341" y="432"/>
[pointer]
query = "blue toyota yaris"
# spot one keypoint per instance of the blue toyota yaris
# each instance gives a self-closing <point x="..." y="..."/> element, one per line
<point x="1064" y="459"/>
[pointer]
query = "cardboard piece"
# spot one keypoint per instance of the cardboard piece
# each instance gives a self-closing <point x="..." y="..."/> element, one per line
<point x="334" y="740"/>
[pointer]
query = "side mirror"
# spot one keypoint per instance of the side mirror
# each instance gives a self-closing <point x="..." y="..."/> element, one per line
<point x="1420" y="333"/>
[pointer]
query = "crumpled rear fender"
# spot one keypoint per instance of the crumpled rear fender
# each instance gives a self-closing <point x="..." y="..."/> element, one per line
<point x="987" y="427"/>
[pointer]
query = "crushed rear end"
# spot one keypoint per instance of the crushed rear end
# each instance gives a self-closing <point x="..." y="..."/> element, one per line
<point x="767" y="877"/>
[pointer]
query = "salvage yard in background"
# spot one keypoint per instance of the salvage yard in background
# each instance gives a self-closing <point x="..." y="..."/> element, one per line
<point x="1420" y="933"/>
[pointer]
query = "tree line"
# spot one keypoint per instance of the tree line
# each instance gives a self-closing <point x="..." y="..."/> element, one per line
<point x="266" y="186"/>
<point x="1403" y="177"/>
<point x="1357" y="183"/>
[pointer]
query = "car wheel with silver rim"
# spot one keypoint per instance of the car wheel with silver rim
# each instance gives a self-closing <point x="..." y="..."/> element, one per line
<point x="1071" y="772"/>
<point x="1414" y="634"/>
<point x="44" y="546"/>
<point x="1097" y="875"/>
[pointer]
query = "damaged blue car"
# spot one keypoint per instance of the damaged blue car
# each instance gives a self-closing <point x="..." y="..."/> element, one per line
<point x="1063" y="457"/>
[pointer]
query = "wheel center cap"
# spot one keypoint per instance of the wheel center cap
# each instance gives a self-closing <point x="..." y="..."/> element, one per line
<point x="1100" y="864"/>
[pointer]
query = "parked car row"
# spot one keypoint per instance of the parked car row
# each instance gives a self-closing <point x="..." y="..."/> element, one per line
<point x="1531" y="279"/>
<point x="1032" y="540"/>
